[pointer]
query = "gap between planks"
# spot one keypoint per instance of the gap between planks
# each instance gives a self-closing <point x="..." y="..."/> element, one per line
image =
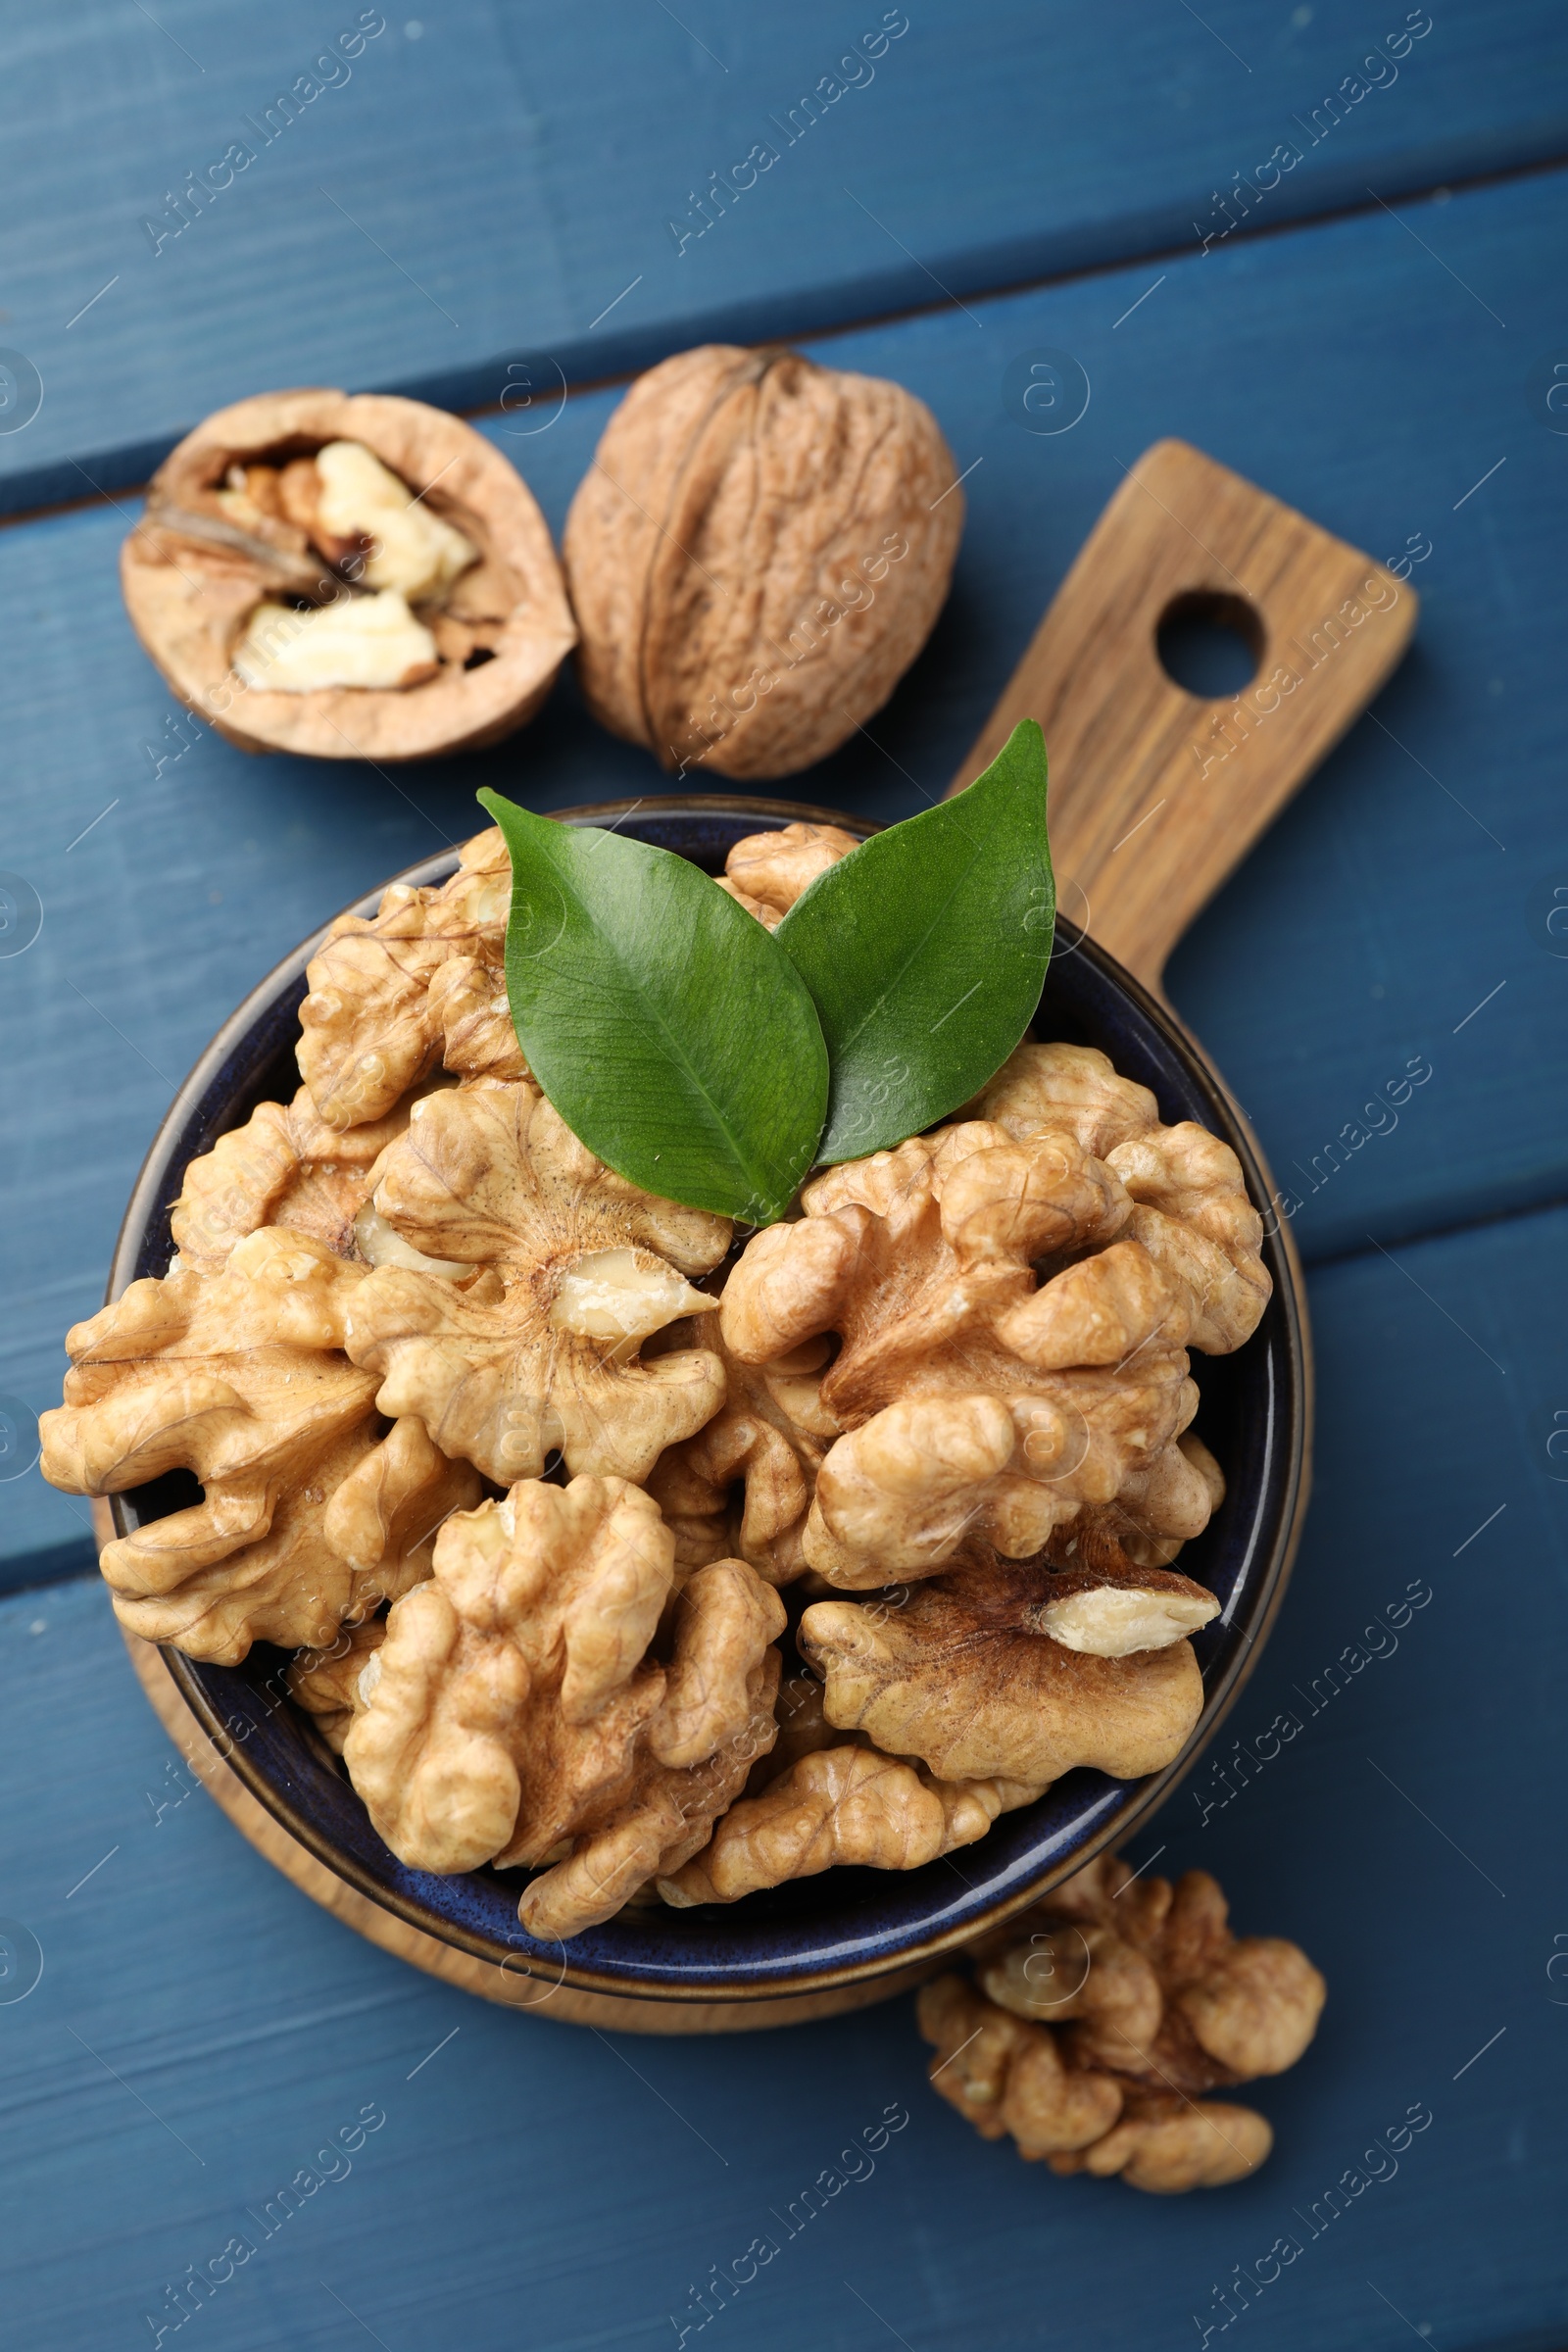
<point x="1460" y="185"/>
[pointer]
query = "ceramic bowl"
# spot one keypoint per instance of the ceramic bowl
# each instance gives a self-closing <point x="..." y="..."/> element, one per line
<point x="846" y="1924"/>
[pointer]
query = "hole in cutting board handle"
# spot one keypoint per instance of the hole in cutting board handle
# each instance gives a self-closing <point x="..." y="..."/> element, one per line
<point x="1209" y="644"/>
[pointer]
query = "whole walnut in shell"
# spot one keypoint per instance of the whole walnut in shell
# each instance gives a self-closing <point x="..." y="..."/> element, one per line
<point x="243" y="513"/>
<point x="515" y="1713"/>
<point x="1092" y="2038"/>
<point x="310" y="1513"/>
<point x="544" y="1271"/>
<point x="755" y="556"/>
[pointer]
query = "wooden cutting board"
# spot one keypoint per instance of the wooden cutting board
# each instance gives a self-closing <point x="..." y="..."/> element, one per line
<point x="1156" y="794"/>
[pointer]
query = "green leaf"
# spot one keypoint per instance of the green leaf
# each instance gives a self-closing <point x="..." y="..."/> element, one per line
<point x="925" y="950"/>
<point x="668" y="1027"/>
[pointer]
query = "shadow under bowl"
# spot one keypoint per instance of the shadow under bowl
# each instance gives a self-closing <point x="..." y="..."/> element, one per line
<point x="844" y="1925"/>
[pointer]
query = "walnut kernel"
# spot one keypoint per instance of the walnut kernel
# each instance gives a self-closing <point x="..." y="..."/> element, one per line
<point x="961" y="1674"/>
<point x="538" y="1352"/>
<point x="1091" y="2039"/>
<point x="309" y="1515"/>
<point x="515" y="1713"/>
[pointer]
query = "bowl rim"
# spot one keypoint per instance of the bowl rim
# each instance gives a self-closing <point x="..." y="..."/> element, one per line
<point x="150" y="1199"/>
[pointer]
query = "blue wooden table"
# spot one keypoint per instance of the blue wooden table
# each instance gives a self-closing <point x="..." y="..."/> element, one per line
<point x="1368" y="329"/>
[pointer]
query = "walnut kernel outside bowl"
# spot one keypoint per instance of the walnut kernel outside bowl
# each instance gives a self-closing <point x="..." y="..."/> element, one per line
<point x="844" y="1926"/>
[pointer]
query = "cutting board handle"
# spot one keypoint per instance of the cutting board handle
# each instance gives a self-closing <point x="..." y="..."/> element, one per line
<point x="1156" y="794"/>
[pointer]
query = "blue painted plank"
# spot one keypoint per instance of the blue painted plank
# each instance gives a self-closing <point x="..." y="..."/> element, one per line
<point x="1362" y="933"/>
<point x="532" y="2184"/>
<point x="491" y="179"/>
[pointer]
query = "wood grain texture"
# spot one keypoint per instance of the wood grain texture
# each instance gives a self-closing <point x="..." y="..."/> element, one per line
<point x="1370" y="925"/>
<point x="1157" y="795"/>
<point x="500" y="177"/>
<point x="547" y="2186"/>
<point x="197" y="2031"/>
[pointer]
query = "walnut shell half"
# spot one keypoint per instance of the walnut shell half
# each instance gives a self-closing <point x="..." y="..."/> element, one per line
<point x="193" y="577"/>
<point x="755" y="556"/>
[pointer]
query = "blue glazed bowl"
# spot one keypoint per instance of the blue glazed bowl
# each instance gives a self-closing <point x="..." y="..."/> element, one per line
<point x="844" y="1925"/>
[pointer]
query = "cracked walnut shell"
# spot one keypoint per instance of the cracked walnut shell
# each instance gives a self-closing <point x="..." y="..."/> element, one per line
<point x="576" y="1266"/>
<point x="236" y="519"/>
<point x="1091" y="2039"/>
<point x="513" y="1712"/>
<point x="756" y="555"/>
<point x="308" y="1513"/>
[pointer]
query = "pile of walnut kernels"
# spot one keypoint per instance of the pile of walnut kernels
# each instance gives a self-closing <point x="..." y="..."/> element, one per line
<point x="421" y="1348"/>
<point x="1104" y="2014"/>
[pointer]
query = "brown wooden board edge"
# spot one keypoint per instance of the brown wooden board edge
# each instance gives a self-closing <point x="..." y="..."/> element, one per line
<point x="1118" y="728"/>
